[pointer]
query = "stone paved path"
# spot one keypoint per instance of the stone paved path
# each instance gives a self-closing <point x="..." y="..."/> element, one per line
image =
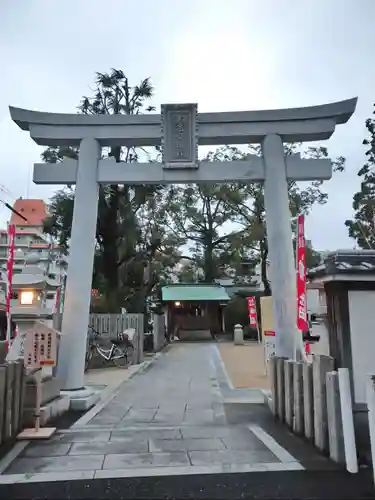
<point x="180" y="416"/>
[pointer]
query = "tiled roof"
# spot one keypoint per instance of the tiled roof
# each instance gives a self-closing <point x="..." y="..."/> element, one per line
<point x="346" y="262"/>
<point x="35" y="212"/>
<point x="194" y="292"/>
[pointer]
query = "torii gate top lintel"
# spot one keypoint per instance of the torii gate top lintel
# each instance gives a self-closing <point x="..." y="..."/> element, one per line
<point x="235" y="127"/>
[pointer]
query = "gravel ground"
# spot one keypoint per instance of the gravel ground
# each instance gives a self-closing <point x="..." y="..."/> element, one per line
<point x="245" y="365"/>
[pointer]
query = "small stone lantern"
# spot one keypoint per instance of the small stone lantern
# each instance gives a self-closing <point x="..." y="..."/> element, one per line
<point x="31" y="284"/>
<point x="31" y="313"/>
<point x="238" y="335"/>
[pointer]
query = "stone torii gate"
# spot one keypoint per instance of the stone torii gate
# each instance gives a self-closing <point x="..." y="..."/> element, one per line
<point x="179" y="129"/>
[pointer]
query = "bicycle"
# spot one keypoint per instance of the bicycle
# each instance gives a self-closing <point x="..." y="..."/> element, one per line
<point x="120" y="352"/>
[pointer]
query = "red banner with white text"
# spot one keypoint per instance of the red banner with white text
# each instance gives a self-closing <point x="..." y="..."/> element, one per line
<point x="252" y="308"/>
<point x="302" y="320"/>
<point x="10" y="262"/>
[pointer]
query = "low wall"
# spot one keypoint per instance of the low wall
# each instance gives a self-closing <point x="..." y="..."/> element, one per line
<point x="12" y="394"/>
<point x="3" y="352"/>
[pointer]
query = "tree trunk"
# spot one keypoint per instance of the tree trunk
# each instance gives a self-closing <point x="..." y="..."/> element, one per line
<point x="209" y="271"/>
<point x="263" y="261"/>
<point x="110" y="241"/>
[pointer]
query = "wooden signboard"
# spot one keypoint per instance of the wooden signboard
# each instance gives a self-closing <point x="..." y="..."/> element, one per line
<point x="40" y="349"/>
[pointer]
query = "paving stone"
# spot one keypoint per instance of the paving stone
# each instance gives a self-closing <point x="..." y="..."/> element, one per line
<point x="199" y="416"/>
<point x="245" y="442"/>
<point x="178" y="408"/>
<point x="199" y="405"/>
<point x="163" y="421"/>
<point x="180" y="395"/>
<point x="114" y="411"/>
<point x="204" y="431"/>
<point x="131" y="445"/>
<point x="146" y="460"/>
<point x="144" y="405"/>
<point x="173" y="418"/>
<point x="147" y="434"/>
<point x="162" y="445"/>
<point x="84" y="436"/>
<point x="141" y="416"/>
<point x="104" y="420"/>
<point x="231" y="457"/>
<point x="56" y="464"/>
<point x="46" y="450"/>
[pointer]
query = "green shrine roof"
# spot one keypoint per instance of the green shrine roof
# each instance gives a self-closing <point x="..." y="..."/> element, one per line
<point x="195" y="292"/>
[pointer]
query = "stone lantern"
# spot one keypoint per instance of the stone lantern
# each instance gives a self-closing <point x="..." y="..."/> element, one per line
<point x="31" y="284"/>
<point x="29" y="312"/>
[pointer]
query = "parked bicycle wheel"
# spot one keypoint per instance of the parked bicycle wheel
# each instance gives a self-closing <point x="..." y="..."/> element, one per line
<point x="121" y="357"/>
<point x="88" y="357"/>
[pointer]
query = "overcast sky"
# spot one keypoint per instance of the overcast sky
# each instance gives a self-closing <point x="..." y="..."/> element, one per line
<point x="223" y="54"/>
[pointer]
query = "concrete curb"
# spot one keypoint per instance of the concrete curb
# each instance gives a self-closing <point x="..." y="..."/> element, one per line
<point x="223" y="368"/>
<point x="12" y="454"/>
<point x="102" y="404"/>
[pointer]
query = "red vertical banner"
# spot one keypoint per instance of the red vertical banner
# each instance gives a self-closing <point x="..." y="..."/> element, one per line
<point x="10" y="262"/>
<point x="251" y="306"/>
<point x="302" y="321"/>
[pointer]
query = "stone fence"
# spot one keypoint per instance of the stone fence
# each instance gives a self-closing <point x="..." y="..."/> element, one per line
<point x="12" y="395"/>
<point x="306" y="397"/>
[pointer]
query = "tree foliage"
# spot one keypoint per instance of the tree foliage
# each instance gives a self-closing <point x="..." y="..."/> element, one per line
<point x="251" y="213"/>
<point x="125" y="245"/>
<point x="203" y="216"/>
<point x="362" y="226"/>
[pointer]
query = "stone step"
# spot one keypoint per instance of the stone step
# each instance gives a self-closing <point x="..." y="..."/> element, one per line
<point x="53" y="409"/>
<point x="194" y="335"/>
<point x="50" y="390"/>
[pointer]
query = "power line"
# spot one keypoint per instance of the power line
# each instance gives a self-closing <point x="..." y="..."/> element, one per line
<point x="14" y="210"/>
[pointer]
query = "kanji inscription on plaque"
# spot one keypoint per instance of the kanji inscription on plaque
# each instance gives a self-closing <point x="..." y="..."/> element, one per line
<point x="40" y="346"/>
<point x="179" y="135"/>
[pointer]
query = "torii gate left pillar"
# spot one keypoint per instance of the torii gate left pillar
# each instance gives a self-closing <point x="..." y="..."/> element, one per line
<point x="179" y="130"/>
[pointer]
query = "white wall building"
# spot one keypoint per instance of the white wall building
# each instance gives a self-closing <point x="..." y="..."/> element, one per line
<point x="31" y="239"/>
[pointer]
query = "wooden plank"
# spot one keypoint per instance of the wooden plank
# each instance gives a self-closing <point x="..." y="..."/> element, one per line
<point x="16" y="396"/>
<point x="22" y="398"/>
<point x="2" y="401"/>
<point x="8" y="401"/>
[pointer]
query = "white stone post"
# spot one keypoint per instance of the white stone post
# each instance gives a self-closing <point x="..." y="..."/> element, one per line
<point x="280" y="244"/>
<point x="298" y="399"/>
<point x="347" y="421"/>
<point x="335" y="426"/>
<point x="321" y="365"/>
<point x="238" y="335"/>
<point x="370" y="396"/>
<point x="289" y="394"/>
<point x="72" y="350"/>
<point x="308" y="400"/>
